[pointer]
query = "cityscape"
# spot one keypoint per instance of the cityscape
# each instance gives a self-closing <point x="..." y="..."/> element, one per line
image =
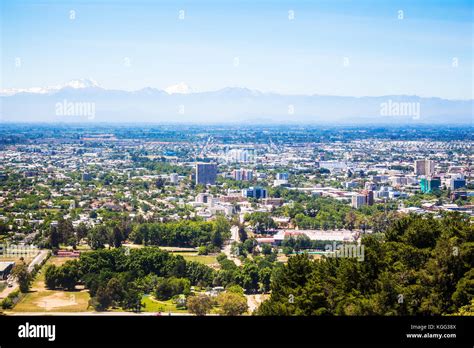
<point x="229" y="209"/>
<point x="234" y="172"/>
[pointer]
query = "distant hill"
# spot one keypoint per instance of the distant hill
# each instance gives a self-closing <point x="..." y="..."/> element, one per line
<point x="84" y="100"/>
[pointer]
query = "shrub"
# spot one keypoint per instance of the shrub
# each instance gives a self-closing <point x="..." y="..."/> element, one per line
<point x="7" y="303"/>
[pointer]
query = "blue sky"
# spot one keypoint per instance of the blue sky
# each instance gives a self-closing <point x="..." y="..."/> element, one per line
<point x="385" y="55"/>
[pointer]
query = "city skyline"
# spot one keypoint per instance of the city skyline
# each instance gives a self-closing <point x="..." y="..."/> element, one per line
<point x="253" y="162"/>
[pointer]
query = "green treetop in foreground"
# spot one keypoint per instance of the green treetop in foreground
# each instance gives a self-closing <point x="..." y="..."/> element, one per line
<point x="420" y="266"/>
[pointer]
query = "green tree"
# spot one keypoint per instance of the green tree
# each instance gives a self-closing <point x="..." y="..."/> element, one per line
<point x="169" y="287"/>
<point x="265" y="278"/>
<point x="199" y="305"/>
<point x="98" y="237"/>
<point x="54" y="237"/>
<point x="50" y="277"/>
<point x="117" y="237"/>
<point x="20" y="272"/>
<point x="101" y="301"/>
<point x="132" y="300"/>
<point x="232" y="304"/>
<point x="115" y="290"/>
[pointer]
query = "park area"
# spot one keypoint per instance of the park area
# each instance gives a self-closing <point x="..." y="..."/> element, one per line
<point x="40" y="299"/>
<point x="189" y="254"/>
<point x="154" y="305"/>
<point x="204" y="259"/>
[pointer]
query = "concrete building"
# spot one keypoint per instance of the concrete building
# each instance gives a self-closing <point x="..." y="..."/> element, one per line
<point x="398" y="180"/>
<point x="282" y="176"/>
<point x="242" y="174"/>
<point x="457" y="183"/>
<point x="254" y="192"/>
<point x="273" y="201"/>
<point x="174" y="178"/>
<point x="206" y="173"/>
<point x="370" y="186"/>
<point x="358" y="201"/>
<point x="323" y="235"/>
<point x="424" y="167"/>
<point x="204" y="198"/>
<point x="369" y="197"/>
<point x="351" y="184"/>
<point x="238" y="156"/>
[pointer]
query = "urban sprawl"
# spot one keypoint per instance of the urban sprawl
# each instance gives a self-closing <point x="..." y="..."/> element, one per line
<point x="180" y="220"/>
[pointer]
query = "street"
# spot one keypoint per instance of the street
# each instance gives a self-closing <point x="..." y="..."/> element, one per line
<point x="234" y="230"/>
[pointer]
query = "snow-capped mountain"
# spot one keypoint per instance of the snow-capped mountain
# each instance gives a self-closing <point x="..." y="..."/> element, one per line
<point x="75" y="84"/>
<point x="179" y="103"/>
<point x="180" y="88"/>
<point x="81" y="83"/>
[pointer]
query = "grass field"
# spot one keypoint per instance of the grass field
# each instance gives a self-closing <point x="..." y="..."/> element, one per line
<point x="205" y="259"/>
<point x="153" y="305"/>
<point x="54" y="300"/>
<point x="40" y="299"/>
<point x="16" y="259"/>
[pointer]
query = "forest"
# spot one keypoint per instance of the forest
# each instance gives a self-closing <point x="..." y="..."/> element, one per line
<point x="420" y="266"/>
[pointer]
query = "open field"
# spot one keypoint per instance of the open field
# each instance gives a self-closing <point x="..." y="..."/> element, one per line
<point x="80" y="247"/>
<point x="40" y="299"/>
<point x="38" y="282"/>
<point x="205" y="259"/>
<point x="58" y="261"/>
<point x="154" y="305"/>
<point x="189" y="254"/>
<point x="16" y="259"/>
<point x="54" y="300"/>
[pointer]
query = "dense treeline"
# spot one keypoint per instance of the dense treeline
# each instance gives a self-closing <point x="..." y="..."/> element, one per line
<point x="113" y="233"/>
<point x="117" y="277"/>
<point x="183" y="233"/>
<point x="420" y="266"/>
<point x="322" y="213"/>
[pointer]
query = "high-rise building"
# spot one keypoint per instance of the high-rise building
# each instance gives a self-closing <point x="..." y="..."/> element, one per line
<point x="242" y="174"/>
<point x="430" y="184"/>
<point x="424" y="167"/>
<point x="254" y="192"/>
<point x="238" y="155"/>
<point x="366" y="197"/>
<point x="206" y="173"/>
<point x="358" y="201"/>
<point x="369" y="197"/>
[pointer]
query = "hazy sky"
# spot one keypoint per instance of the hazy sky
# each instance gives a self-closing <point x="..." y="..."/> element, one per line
<point x="330" y="47"/>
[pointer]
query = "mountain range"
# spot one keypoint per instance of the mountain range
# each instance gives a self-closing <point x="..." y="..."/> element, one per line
<point x="85" y="100"/>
